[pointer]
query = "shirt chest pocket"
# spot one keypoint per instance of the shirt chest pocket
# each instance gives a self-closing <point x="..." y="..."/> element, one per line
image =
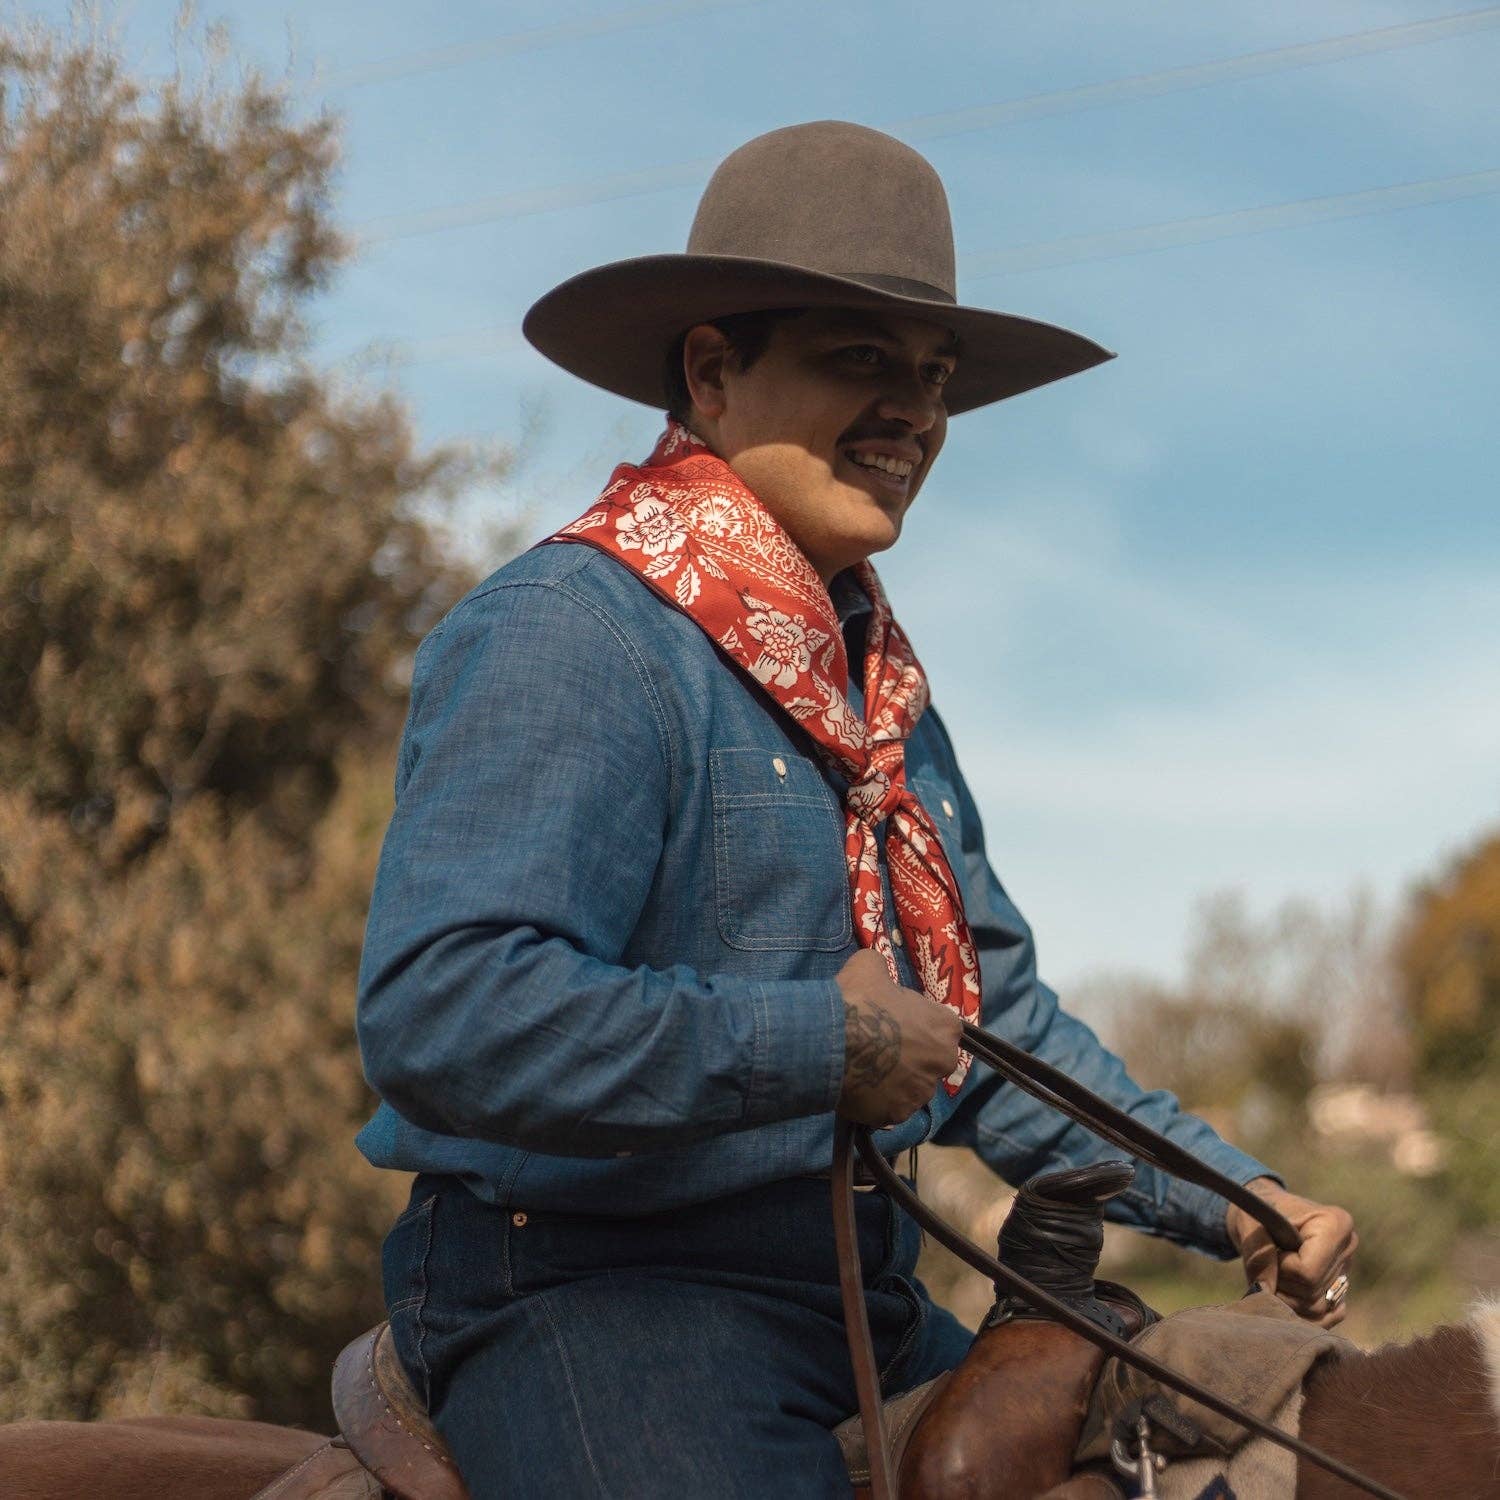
<point x="780" y="879"/>
<point x="939" y="801"/>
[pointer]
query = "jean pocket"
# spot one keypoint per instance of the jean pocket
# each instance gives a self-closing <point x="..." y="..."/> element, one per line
<point x="911" y="1316"/>
<point x="780" y="876"/>
<point x="403" y="1261"/>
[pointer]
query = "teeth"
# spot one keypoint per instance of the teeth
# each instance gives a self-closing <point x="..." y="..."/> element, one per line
<point x="900" y="467"/>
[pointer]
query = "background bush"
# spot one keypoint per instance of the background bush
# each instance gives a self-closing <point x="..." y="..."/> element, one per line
<point x="214" y="566"/>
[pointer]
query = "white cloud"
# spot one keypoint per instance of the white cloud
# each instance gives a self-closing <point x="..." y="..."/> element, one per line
<point x="1318" y="759"/>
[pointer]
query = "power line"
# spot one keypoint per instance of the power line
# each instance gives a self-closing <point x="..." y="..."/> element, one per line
<point x="1204" y="75"/>
<point x="950" y="122"/>
<point x="409" y="63"/>
<point x="1074" y="249"/>
<point x="535" y="201"/>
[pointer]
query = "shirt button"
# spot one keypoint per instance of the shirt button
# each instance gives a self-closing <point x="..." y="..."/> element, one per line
<point x="519" y="1220"/>
<point x="947" y="807"/>
<point x="779" y="766"/>
<point x="897" y="939"/>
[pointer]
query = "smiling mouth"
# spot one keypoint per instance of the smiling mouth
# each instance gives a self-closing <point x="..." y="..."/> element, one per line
<point x="891" y="475"/>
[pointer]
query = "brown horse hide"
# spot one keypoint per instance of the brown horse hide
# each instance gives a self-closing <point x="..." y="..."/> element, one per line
<point x="1423" y="1418"/>
<point x="147" y="1458"/>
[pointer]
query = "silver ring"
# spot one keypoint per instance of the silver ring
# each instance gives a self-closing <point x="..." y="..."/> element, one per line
<point x="1337" y="1290"/>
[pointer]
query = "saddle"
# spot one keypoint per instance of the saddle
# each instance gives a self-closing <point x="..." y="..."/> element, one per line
<point x="387" y="1447"/>
<point x="1005" y="1422"/>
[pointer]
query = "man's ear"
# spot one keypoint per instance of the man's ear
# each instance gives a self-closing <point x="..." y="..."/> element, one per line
<point x="704" y="350"/>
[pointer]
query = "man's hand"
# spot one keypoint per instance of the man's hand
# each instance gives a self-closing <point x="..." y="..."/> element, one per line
<point x="897" y="1044"/>
<point x="1300" y="1279"/>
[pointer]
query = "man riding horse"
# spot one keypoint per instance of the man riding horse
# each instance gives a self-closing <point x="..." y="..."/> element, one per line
<point x="682" y="864"/>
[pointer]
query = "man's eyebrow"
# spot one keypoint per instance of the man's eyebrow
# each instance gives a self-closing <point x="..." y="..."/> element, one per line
<point x="951" y="347"/>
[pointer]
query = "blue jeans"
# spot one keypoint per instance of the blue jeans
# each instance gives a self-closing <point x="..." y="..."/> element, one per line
<point x="695" y="1352"/>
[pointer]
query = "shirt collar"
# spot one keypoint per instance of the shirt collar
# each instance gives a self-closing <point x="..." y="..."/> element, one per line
<point x="849" y="600"/>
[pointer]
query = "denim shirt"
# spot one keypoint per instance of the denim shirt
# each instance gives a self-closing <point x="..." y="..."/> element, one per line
<point x="598" y="972"/>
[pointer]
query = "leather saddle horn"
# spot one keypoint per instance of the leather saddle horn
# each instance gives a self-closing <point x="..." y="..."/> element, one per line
<point x="1007" y="1420"/>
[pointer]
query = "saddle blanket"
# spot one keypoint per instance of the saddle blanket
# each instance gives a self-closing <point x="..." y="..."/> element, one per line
<point x="1255" y="1352"/>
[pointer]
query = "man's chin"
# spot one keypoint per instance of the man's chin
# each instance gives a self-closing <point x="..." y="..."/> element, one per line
<point x="864" y="537"/>
<point x="877" y="520"/>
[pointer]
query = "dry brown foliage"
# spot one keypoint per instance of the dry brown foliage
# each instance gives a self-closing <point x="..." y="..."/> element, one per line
<point x="1449" y="958"/>
<point x="213" y="570"/>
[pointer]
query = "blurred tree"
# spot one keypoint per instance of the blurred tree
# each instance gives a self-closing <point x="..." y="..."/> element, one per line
<point x="1449" y="963"/>
<point x="1448" y="959"/>
<point x="1268" y="1007"/>
<point x="1244" y="1036"/>
<point x="214" y="566"/>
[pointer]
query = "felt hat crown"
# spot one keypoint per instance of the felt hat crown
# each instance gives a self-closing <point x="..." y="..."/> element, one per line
<point x="827" y="214"/>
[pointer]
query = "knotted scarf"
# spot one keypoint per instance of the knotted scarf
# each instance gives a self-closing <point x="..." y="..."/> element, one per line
<point x="694" y="531"/>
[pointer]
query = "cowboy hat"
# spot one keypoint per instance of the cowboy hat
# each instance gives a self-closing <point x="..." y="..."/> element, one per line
<point x="826" y="214"/>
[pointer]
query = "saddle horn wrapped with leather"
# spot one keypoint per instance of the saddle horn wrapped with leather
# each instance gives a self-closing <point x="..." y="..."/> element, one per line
<point x="1007" y="1420"/>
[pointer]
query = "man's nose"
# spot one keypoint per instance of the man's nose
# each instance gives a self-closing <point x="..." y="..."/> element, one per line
<point x="911" y="400"/>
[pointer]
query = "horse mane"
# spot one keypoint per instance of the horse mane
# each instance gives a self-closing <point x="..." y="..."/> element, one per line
<point x="1424" y="1417"/>
<point x="1485" y="1316"/>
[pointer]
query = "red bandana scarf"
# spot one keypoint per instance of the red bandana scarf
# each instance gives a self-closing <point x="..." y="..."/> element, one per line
<point x="693" y="530"/>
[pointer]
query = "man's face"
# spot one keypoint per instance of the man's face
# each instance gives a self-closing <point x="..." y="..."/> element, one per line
<point x="834" y="427"/>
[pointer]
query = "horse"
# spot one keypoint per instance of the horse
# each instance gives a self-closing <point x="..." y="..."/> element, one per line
<point x="1421" y="1418"/>
<point x="1033" y="1412"/>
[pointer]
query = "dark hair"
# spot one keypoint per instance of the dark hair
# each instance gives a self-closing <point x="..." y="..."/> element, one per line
<point x="747" y="334"/>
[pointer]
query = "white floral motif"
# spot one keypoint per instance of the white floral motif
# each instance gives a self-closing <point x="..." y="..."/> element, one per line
<point x="687" y="586"/>
<point x="870" y="917"/>
<point x="929" y="970"/>
<point x="652" y="526"/>
<point x="965" y="958"/>
<point x="907" y="827"/>
<point x="784" y="654"/>
<point x="866" y="795"/>
<point x="716" y="517"/>
<point x="841" y="721"/>
<point x="593" y="519"/>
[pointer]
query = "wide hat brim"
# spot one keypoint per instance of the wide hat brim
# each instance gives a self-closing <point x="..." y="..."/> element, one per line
<point x="615" y="324"/>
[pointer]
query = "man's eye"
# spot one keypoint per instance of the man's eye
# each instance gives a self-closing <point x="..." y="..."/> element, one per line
<point x="939" y="374"/>
<point x="855" y="351"/>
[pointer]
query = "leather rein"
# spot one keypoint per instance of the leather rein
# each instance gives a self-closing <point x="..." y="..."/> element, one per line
<point x="1055" y="1088"/>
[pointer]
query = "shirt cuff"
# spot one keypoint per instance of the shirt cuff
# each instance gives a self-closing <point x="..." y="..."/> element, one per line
<point x="1200" y="1213"/>
<point x="798" y="1066"/>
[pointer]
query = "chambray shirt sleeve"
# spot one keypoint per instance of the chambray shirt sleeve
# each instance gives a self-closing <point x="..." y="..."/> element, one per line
<point x="1018" y="1136"/>
<point x="534" y="786"/>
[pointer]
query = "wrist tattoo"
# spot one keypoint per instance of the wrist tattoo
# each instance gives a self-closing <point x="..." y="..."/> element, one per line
<point x="872" y="1044"/>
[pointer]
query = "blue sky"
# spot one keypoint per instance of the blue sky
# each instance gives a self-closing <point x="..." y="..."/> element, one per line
<point x="1222" y="613"/>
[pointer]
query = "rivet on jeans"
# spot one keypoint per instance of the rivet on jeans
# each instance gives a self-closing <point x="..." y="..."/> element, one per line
<point x="519" y="1220"/>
